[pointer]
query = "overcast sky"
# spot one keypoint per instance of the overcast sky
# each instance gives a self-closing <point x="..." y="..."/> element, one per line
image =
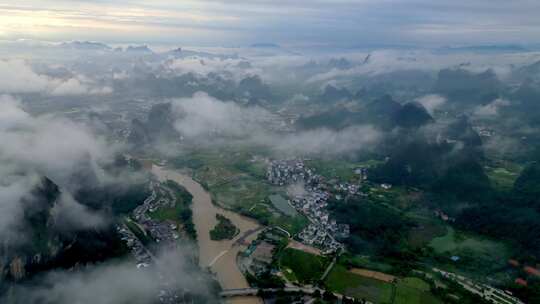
<point x="285" y="22"/>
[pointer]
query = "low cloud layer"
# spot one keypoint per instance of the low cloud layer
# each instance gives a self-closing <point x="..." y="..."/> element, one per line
<point x="53" y="146"/>
<point x="431" y="102"/>
<point x="328" y="142"/>
<point x="12" y="190"/>
<point x="210" y="121"/>
<point x="491" y="109"/>
<point x="44" y="146"/>
<point x="68" y="214"/>
<point x="203" y="66"/>
<point x="19" y="77"/>
<point x="114" y="283"/>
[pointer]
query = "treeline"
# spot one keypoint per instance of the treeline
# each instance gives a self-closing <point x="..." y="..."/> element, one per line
<point x="444" y="160"/>
<point x="373" y="228"/>
<point x="185" y="199"/>
<point x="224" y="229"/>
<point x="513" y="216"/>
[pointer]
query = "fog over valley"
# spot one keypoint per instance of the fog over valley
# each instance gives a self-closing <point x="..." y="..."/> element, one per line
<point x="269" y="152"/>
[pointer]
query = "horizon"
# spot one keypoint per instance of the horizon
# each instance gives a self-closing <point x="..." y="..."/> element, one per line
<point x="209" y="23"/>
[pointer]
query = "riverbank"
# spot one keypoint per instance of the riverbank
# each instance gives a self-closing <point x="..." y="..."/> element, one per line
<point x="219" y="256"/>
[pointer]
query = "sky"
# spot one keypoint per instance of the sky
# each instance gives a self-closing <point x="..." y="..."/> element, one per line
<point x="310" y="23"/>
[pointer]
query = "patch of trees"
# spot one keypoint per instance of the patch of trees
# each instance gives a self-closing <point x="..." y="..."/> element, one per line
<point x="373" y="227"/>
<point x="185" y="213"/>
<point x="527" y="186"/>
<point x="118" y="195"/>
<point x="447" y="162"/>
<point x="513" y="217"/>
<point x="224" y="229"/>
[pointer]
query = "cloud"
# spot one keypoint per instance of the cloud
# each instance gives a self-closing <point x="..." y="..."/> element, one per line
<point x="328" y="142"/>
<point x="69" y="215"/>
<point x="207" y="120"/>
<point x="115" y="283"/>
<point x="33" y="147"/>
<point x="26" y="80"/>
<point x="203" y="115"/>
<point x="431" y="102"/>
<point x="491" y="109"/>
<point x="312" y="23"/>
<point x="48" y="144"/>
<point x="202" y="66"/>
<point x="74" y="86"/>
<point x="18" y="77"/>
<point x="13" y="188"/>
<point x="386" y="61"/>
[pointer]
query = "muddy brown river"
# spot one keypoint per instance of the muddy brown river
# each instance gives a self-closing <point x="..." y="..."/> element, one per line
<point x="220" y="256"/>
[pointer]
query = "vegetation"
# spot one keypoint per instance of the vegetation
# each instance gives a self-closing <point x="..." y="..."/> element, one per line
<point x="454" y="242"/>
<point x="413" y="290"/>
<point x="139" y="233"/>
<point x="393" y="230"/>
<point x="236" y="180"/>
<point x="450" y="171"/>
<point x="121" y="198"/>
<point x="342" y="281"/>
<point x="514" y="217"/>
<point x="224" y="230"/>
<point x="409" y="290"/>
<point x="342" y="170"/>
<point x="374" y="228"/>
<point x="503" y="178"/>
<point x="425" y="230"/>
<point x="181" y="212"/>
<point x="302" y="267"/>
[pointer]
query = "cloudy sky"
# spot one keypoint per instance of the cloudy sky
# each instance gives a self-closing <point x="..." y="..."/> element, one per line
<point x="286" y="22"/>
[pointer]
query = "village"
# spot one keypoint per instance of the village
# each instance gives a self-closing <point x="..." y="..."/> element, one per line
<point x="163" y="232"/>
<point x="322" y="231"/>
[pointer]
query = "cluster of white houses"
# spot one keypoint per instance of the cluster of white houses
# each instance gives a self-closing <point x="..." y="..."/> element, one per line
<point x="322" y="230"/>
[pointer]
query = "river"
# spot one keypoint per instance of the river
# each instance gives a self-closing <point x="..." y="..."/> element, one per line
<point x="220" y="256"/>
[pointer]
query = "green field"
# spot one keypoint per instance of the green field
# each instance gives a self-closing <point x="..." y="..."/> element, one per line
<point x="242" y="192"/>
<point x="330" y="169"/>
<point x="361" y="261"/>
<point x="237" y="182"/>
<point x="453" y="242"/>
<point x="426" y="229"/>
<point x="478" y="256"/>
<point x="342" y="170"/>
<point x="300" y="266"/>
<point x="250" y="196"/>
<point x="405" y="291"/>
<point x="342" y="281"/>
<point x="503" y="178"/>
<point x="234" y="159"/>
<point x="167" y="213"/>
<point x="412" y="291"/>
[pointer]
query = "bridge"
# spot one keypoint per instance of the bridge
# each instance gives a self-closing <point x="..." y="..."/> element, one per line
<point x="243" y="292"/>
<point x="246" y="234"/>
<point x="254" y="291"/>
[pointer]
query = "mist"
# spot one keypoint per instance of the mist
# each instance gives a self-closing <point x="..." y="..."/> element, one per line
<point x="115" y="282"/>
